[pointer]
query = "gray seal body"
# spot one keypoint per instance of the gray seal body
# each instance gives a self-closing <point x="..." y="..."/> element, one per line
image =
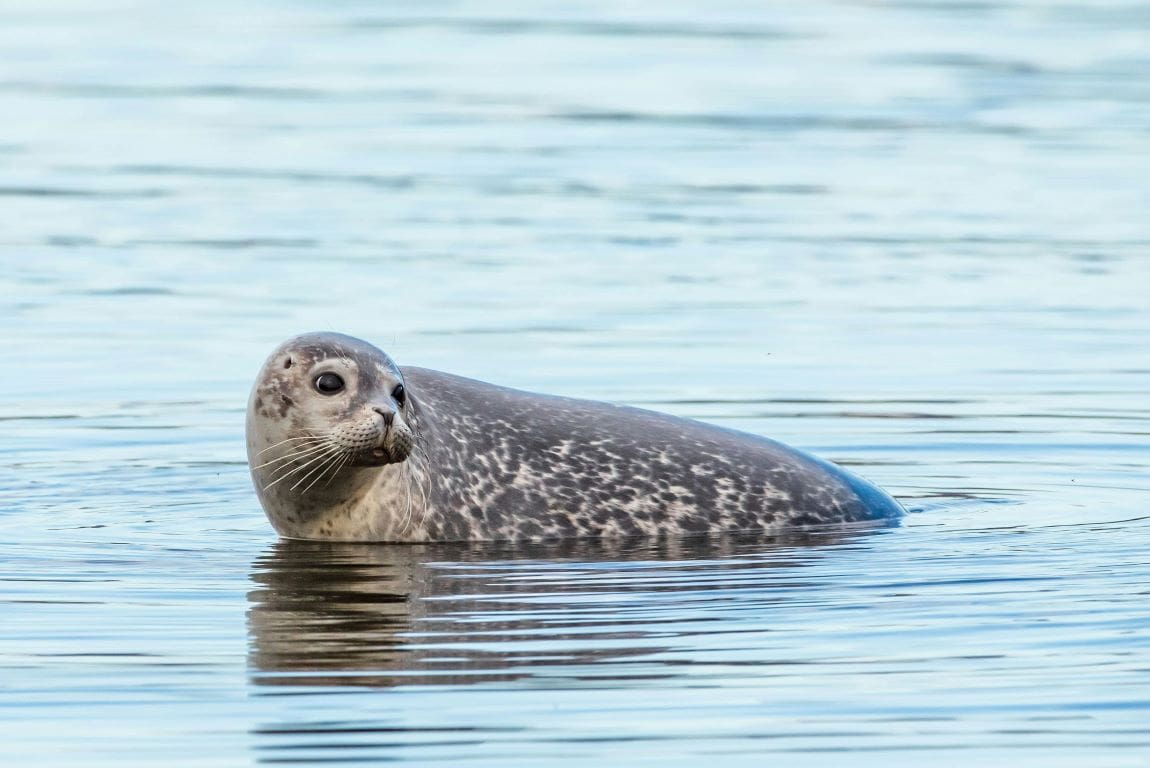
<point x="418" y="455"/>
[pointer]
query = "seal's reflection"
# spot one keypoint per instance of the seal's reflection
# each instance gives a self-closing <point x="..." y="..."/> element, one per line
<point x="387" y="615"/>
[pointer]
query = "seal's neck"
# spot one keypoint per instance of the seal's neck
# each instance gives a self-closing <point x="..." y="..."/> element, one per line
<point x="304" y="514"/>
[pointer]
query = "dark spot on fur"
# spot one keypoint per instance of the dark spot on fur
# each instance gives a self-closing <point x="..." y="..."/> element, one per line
<point x="628" y="525"/>
<point x="513" y="498"/>
<point x="566" y="525"/>
<point x="805" y="518"/>
<point x="529" y="528"/>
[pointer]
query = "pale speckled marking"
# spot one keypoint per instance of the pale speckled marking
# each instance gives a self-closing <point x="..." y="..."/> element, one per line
<point x="495" y="463"/>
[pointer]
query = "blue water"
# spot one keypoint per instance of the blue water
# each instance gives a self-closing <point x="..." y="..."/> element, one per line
<point x="911" y="237"/>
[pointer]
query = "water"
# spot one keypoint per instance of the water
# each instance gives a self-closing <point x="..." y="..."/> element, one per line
<point x="910" y="237"/>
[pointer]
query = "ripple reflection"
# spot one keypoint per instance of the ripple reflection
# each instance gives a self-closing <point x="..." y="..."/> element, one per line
<point x="325" y="614"/>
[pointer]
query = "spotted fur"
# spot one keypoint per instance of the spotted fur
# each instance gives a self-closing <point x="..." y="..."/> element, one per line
<point x="491" y="463"/>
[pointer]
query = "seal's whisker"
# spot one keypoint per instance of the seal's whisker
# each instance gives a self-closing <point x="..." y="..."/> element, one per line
<point x="413" y="473"/>
<point x="295" y="454"/>
<point x="335" y="451"/>
<point x="308" y="436"/>
<point x="418" y="470"/>
<point x="318" y="474"/>
<point x="411" y="516"/>
<point x="300" y="468"/>
<point x="405" y="521"/>
<point x="330" y="463"/>
<point x="289" y="461"/>
<point x="343" y="461"/>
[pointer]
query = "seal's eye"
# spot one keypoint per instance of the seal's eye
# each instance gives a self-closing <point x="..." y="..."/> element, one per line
<point x="400" y="394"/>
<point x="328" y="383"/>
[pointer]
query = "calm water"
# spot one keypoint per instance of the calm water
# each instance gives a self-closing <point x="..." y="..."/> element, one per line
<point x="913" y="237"/>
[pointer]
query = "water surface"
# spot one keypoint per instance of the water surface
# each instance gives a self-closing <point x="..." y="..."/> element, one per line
<point x="909" y="237"/>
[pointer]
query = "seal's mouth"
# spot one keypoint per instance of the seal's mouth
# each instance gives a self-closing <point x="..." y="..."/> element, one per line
<point x="374" y="456"/>
<point x="374" y="445"/>
<point x="390" y="449"/>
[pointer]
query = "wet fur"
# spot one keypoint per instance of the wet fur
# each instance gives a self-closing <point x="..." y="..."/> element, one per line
<point x="491" y="463"/>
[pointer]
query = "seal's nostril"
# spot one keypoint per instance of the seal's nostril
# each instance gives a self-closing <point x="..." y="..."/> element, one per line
<point x="388" y="416"/>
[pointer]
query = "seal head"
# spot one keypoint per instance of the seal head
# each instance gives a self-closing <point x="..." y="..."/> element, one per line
<point x="324" y="406"/>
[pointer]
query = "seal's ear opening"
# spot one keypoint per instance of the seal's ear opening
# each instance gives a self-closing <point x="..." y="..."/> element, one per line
<point x="287" y="363"/>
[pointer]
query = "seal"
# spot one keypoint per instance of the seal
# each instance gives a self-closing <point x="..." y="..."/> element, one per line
<point x="344" y="445"/>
